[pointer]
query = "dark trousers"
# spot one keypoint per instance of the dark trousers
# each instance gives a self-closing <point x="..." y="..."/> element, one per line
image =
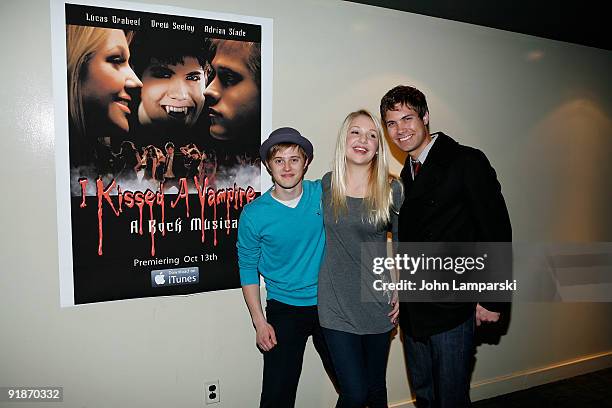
<point x="283" y="364"/>
<point x="360" y="362"/>
<point x="440" y="367"/>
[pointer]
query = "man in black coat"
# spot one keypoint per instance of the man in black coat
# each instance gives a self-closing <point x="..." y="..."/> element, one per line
<point x="451" y="195"/>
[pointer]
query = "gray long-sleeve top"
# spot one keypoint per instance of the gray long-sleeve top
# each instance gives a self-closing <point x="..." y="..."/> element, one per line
<point x="346" y="298"/>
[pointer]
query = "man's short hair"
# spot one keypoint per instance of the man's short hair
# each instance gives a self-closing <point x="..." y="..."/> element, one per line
<point x="168" y="145"/>
<point x="404" y="95"/>
<point x="162" y="48"/>
<point x="282" y="146"/>
<point x="253" y="62"/>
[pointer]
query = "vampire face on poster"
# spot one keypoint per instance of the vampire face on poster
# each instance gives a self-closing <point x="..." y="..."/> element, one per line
<point x="164" y="122"/>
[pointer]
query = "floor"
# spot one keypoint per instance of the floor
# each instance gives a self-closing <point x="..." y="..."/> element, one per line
<point x="585" y="391"/>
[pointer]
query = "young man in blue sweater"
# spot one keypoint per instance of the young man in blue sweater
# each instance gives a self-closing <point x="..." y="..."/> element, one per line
<point x="281" y="237"/>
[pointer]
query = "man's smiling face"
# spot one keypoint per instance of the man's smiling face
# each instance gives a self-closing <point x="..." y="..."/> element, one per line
<point x="407" y="130"/>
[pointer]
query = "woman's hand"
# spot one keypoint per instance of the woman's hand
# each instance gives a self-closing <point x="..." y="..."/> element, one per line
<point x="394" y="313"/>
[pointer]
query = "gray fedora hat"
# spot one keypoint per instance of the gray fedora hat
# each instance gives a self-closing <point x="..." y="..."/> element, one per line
<point x="285" y="135"/>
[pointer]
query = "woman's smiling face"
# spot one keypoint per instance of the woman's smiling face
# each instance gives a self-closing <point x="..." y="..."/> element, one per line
<point x="361" y="140"/>
<point x="108" y="76"/>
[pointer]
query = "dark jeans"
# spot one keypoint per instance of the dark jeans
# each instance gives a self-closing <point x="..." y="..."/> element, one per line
<point x="440" y="367"/>
<point x="360" y="362"/>
<point x="283" y="364"/>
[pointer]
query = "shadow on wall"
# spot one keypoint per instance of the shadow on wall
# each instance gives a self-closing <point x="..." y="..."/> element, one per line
<point x="565" y="164"/>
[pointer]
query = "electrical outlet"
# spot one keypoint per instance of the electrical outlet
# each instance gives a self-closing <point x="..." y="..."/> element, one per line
<point x="212" y="392"/>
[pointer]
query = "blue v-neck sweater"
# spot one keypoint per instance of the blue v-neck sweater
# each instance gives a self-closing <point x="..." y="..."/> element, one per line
<point x="285" y="245"/>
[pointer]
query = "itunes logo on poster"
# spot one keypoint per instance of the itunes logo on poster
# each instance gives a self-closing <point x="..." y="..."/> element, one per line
<point x="160" y="279"/>
<point x="175" y="276"/>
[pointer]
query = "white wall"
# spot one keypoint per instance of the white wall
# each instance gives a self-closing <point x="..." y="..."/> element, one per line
<point x="540" y="110"/>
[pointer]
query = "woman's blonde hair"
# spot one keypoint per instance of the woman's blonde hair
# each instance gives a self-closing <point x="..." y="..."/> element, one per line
<point x="81" y="44"/>
<point x="379" y="195"/>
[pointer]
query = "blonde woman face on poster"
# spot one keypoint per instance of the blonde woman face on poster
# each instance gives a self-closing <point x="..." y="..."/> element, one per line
<point x="106" y="81"/>
<point x="361" y="141"/>
<point x="172" y="92"/>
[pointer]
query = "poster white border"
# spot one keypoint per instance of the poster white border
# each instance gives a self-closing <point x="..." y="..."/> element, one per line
<point x="60" y="103"/>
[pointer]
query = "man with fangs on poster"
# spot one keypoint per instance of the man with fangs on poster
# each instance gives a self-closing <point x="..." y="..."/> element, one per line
<point x="173" y="71"/>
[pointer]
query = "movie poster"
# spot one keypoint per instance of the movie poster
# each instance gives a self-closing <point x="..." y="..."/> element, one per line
<point x="159" y="116"/>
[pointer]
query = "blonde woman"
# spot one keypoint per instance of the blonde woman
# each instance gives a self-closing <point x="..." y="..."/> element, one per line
<point x="99" y="75"/>
<point x="361" y="202"/>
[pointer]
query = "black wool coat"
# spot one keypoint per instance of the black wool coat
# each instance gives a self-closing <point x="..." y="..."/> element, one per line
<point x="455" y="198"/>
